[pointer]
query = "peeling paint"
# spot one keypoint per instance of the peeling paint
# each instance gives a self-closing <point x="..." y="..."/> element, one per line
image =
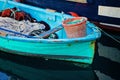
<point x="92" y="44"/>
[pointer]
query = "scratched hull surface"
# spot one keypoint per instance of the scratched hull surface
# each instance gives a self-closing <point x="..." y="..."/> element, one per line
<point x="76" y="49"/>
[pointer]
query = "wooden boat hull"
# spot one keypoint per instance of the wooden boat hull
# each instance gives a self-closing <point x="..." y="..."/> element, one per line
<point x="76" y="49"/>
<point x="62" y="51"/>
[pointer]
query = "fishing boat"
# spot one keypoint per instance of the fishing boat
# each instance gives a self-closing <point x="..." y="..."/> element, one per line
<point x="80" y="49"/>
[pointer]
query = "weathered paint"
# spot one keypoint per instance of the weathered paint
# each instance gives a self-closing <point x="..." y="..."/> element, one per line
<point x="78" y="52"/>
<point x="75" y="49"/>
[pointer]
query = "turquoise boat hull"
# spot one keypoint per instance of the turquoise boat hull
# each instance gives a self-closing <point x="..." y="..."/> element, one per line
<point x="75" y="49"/>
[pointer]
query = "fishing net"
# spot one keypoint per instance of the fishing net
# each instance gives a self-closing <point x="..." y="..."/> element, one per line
<point x="23" y="27"/>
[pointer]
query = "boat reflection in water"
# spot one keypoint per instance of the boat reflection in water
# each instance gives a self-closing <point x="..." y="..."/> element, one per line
<point x="30" y="68"/>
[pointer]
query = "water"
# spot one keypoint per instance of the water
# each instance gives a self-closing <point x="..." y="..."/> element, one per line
<point x="106" y="66"/>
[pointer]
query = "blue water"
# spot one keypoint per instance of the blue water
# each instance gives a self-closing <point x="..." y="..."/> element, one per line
<point x="106" y="65"/>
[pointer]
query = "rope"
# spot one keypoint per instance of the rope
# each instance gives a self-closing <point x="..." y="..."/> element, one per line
<point x="13" y="13"/>
<point x="16" y="32"/>
<point x="109" y="35"/>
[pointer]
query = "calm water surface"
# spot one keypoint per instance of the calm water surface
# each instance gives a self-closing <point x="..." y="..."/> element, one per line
<point x="106" y="66"/>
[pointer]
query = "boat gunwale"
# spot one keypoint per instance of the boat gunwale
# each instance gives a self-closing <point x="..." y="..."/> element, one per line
<point x="89" y="37"/>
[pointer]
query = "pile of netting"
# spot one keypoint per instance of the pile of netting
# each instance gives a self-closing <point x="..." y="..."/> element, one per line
<point x="24" y="27"/>
<point x="13" y="21"/>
